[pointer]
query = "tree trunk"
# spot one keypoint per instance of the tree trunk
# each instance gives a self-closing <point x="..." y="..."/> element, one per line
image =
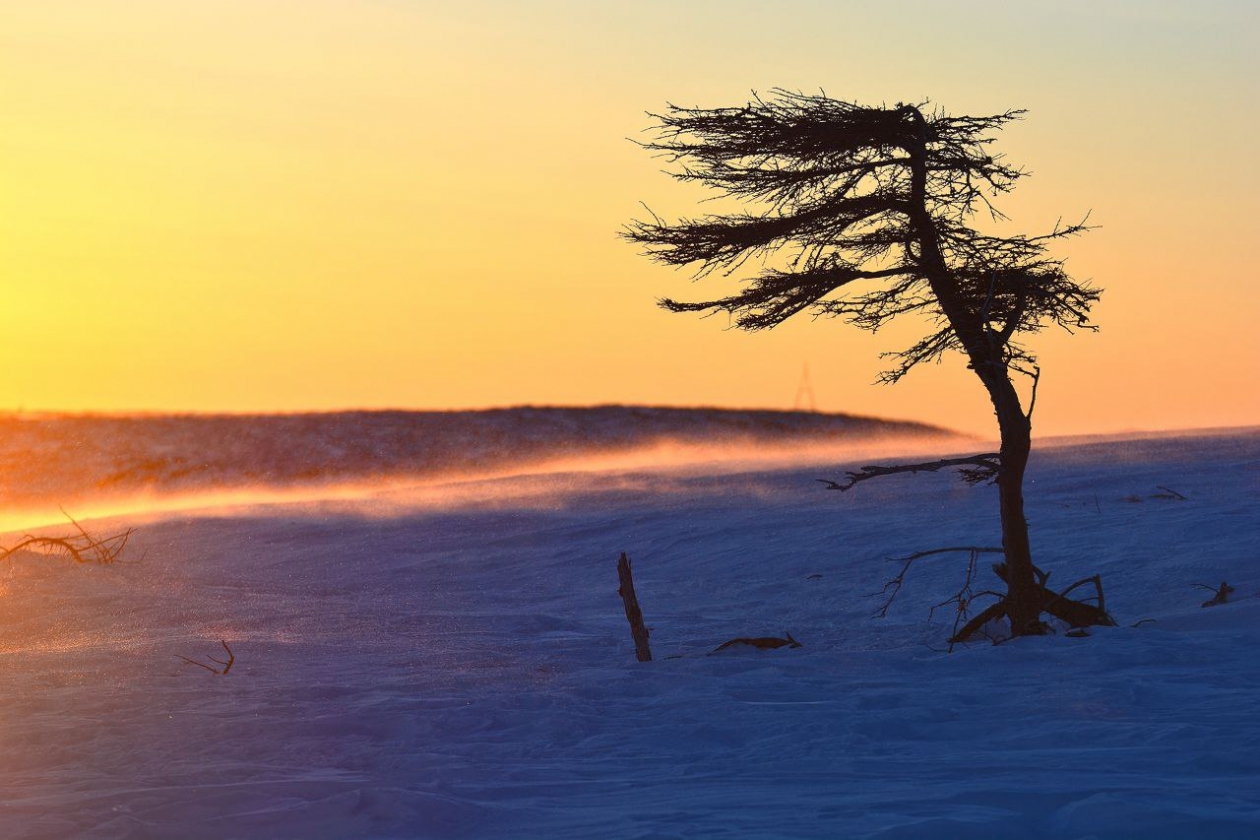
<point x="1023" y="595"/>
<point x="986" y="358"/>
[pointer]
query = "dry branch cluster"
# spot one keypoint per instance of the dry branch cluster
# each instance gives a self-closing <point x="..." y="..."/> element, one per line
<point x="80" y="546"/>
<point x="83" y="547"/>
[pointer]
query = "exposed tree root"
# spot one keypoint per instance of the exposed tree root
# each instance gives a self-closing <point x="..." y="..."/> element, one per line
<point x="1075" y="613"/>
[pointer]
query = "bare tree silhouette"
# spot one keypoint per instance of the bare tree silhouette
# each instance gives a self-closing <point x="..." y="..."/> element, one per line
<point x="866" y="214"/>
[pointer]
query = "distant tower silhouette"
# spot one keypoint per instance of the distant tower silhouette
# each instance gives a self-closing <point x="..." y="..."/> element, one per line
<point x="804" y="393"/>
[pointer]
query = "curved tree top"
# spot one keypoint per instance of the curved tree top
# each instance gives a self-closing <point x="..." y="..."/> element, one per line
<point x="864" y="213"/>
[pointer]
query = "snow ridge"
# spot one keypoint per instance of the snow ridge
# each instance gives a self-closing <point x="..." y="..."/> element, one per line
<point x="65" y="458"/>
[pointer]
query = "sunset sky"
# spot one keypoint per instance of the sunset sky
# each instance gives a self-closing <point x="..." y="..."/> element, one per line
<point x="321" y="204"/>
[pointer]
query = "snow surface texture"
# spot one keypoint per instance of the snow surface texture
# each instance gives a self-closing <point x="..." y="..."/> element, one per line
<point x="457" y="664"/>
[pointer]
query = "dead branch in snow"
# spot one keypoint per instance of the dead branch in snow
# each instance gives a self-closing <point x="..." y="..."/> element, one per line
<point x="81" y="546"/>
<point x="961" y="600"/>
<point x="1221" y="596"/>
<point x="227" y="666"/>
<point x="893" y="587"/>
<point x="1166" y="494"/>
<point x="760" y="642"/>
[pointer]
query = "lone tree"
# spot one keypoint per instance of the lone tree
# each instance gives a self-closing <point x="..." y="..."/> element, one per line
<point x="866" y="214"/>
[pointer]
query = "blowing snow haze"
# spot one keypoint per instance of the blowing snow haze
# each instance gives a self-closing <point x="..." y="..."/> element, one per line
<point x="93" y="465"/>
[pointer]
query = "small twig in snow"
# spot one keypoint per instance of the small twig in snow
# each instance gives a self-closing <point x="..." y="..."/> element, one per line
<point x="227" y="666"/>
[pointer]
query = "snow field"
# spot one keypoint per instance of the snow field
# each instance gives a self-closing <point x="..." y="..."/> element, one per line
<point x="465" y="670"/>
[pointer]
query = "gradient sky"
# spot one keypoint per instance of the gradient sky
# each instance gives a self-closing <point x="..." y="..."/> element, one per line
<point x="274" y="206"/>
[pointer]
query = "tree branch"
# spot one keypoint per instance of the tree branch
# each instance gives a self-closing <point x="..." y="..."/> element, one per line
<point x="896" y="583"/>
<point x="1033" y="373"/>
<point x="984" y="468"/>
<point x="227" y="665"/>
<point x="82" y="547"/>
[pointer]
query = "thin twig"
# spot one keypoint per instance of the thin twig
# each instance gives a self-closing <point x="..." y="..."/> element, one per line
<point x="899" y="580"/>
<point x="198" y="664"/>
<point x="227" y="666"/>
<point x="1035" y="375"/>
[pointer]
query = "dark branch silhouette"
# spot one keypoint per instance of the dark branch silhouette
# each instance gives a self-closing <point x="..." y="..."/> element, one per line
<point x="759" y="642"/>
<point x="225" y="663"/>
<point x="866" y="214"/>
<point x="975" y="469"/>
<point x="81" y="546"/>
<point x="893" y="587"/>
<point x="1220" y="596"/>
<point x="1076" y="614"/>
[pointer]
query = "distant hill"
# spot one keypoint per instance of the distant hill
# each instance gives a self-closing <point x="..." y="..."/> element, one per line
<point x="64" y="458"/>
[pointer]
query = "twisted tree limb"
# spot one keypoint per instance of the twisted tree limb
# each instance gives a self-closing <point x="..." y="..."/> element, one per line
<point x="976" y="468"/>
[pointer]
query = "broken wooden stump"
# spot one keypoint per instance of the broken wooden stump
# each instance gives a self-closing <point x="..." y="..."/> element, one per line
<point x="633" y="614"/>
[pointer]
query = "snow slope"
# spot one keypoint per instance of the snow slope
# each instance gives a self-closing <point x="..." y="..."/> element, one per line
<point x="456" y="663"/>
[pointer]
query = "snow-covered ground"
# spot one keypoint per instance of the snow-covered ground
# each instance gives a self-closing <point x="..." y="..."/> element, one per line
<point x="453" y="660"/>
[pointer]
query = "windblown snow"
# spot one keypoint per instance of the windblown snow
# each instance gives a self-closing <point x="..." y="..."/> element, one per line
<point x="464" y="669"/>
<point x="111" y="463"/>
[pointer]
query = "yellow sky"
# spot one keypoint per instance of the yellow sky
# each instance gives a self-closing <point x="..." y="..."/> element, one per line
<point x="274" y="206"/>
